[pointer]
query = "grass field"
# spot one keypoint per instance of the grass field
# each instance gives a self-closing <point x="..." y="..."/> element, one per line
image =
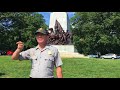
<point x="72" y="68"/>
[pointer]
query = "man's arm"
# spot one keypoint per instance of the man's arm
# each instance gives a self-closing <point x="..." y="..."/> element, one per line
<point x="18" y="50"/>
<point x="59" y="72"/>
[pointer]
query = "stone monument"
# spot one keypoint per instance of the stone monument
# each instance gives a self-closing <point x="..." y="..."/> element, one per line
<point x="60" y="34"/>
<point x="62" y="18"/>
<point x="59" y="29"/>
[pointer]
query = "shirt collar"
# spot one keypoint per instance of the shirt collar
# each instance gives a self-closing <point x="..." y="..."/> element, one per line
<point x="46" y="47"/>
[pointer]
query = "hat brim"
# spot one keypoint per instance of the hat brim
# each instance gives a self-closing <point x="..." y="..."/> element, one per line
<point x="41" y="33"/>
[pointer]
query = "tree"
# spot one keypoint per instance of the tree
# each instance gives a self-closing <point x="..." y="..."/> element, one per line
<point x="96" y="32"/>
<point x="15" y="26"/>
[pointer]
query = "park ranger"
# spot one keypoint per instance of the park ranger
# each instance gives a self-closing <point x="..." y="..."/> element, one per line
<point x="43" y="57"/>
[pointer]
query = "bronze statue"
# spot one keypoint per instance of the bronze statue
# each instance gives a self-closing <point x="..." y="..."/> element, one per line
<point x="59" y="37"/>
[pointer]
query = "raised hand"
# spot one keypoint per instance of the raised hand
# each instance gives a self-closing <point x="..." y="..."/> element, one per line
<point x="20" y="45"/>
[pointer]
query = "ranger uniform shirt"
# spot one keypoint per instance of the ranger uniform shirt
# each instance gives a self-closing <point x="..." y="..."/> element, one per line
<point x="42" y="61"/>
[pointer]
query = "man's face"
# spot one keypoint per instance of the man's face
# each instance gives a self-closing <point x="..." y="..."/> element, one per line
<point x="41" y="38"/>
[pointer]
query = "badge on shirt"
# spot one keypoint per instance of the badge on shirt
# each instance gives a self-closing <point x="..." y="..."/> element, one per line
<point x="49" y="52"/>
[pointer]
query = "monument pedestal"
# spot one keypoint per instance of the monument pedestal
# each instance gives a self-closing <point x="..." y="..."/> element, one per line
<point x="68" y="51"/>
<point x="65" y="48"/>
<point x="59" y="22"/>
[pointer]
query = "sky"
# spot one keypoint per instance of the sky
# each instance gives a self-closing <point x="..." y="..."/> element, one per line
<point x="47" y="16"/>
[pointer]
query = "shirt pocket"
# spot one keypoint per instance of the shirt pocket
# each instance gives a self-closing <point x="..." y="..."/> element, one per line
<point x="33" y="56"/>
<point x="49" y="62"/>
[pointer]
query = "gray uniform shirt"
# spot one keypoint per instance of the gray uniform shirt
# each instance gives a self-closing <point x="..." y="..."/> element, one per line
<point x="43" y="61"/>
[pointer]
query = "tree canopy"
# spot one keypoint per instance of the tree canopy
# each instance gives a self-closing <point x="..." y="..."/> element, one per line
<point x="15" y="26"/>
<point x="96" y="32"/>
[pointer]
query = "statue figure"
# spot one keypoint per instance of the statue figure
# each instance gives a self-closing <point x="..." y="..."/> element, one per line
<point x="59" y="29"/>
<point x="59" y="37"/>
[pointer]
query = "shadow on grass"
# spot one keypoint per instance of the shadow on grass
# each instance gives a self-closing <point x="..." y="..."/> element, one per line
<point x="2" y="74"/>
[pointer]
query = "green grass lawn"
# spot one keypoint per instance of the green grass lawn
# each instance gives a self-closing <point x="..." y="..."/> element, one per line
<point x="72" y="68"/>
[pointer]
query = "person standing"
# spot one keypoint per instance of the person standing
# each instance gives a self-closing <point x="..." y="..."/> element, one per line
<point x="43" y="57"/>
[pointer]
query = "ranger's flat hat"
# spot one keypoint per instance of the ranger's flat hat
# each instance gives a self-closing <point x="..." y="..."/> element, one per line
<point x="43" y="31"/>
